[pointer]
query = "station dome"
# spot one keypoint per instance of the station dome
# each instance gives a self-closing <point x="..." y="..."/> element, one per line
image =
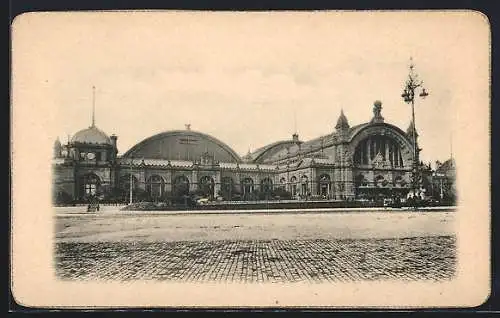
<point x="91" y="135"/>
<point x="182" y="145"/>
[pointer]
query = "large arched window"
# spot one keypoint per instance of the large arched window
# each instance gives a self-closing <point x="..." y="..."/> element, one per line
<point x="89" y="185"/>
<point x="378" y="147"/>
<point x="266" y="185"/>
<point x="304" y="187"/>
<point x="324" y="185"/>
<point x="181" y="185"/>
<point x="206" y="186"/>
<point x="155" y="186"/>
<point x="247" y="186"/>
<point x="227" y="185"/>
<point x="293" y="184"/>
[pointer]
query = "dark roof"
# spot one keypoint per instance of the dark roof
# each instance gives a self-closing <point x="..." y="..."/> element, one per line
<point x="182" y="145"/>
<point x="91" y="135"/>
<point x="268" y="150"/>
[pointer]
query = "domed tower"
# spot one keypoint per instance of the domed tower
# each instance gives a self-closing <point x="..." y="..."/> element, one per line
<point x="92" y="145"/>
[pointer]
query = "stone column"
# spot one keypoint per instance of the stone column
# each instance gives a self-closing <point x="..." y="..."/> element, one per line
<point x="396" y="156"/>
<point x="287" y="184"/>
<point x="112" y="177"/>
<point x="368" y="150"/>
<point x="193" y="186"/>
<point x="217" y="180"/>
<point x="387" y="150"/>
<point x="238" y="183"/>
<point x="393" y="149"/>
<point x="168" y="180"/>
<point x="257" y="178"/>
<point x="348" y="183"/>
<point x="314" y="183"/>
<point x="142" y="179"/>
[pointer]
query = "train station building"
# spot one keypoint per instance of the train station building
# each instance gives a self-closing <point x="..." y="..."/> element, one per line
<point x="351" y="162"/>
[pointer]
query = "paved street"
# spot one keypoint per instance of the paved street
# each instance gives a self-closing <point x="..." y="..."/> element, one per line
<point x="290" y="247"/>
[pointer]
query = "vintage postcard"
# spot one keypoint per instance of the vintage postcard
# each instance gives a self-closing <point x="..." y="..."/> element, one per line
<point x="330" y="159"/>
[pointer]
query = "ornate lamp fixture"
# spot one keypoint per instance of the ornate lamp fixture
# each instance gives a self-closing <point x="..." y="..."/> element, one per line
<point x="408" y="95"/>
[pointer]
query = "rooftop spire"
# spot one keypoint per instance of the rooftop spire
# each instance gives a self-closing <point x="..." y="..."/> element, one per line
<point x="295" y="122"/>
<point x="93" y="106"/>
<point x="342" y="122"/>
<point x="411" y="130"/>
<point x="295" y="135"/>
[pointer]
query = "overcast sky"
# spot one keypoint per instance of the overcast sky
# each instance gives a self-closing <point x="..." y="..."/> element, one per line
<point x="242" y="77"/>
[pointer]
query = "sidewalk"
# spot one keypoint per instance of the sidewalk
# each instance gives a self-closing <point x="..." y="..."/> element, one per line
<point x="113" y="210"/>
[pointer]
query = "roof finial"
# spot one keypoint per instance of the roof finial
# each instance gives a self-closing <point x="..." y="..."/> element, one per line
<point x="188" y="126"/>
<point x="377" y="112"/>
<point x="295" y="121"/>
<point x="451" y="146"/>
<point x="93" y="106"/>
<point x="342" y="122"/>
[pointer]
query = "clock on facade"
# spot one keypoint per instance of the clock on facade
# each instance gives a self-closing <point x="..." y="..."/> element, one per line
<point x="91" y="156"/>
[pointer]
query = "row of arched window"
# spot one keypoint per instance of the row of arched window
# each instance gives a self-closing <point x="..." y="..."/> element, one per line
<point x="155" y="185"/>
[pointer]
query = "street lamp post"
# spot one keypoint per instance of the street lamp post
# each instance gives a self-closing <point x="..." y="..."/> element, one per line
<point x="130" y="182"/>
<point x="412" y="83"/>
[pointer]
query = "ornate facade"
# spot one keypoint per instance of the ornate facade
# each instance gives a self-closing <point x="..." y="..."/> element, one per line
<point x="373" y="158"/>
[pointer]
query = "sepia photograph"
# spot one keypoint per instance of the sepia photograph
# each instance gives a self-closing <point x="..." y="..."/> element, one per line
<point x="296" y="159"/>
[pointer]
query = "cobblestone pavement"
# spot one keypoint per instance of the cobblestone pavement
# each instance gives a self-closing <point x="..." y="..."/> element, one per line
<point x="252" y="261"/>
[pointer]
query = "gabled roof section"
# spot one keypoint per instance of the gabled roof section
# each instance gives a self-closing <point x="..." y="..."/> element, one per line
<point x="319" y="142"/>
